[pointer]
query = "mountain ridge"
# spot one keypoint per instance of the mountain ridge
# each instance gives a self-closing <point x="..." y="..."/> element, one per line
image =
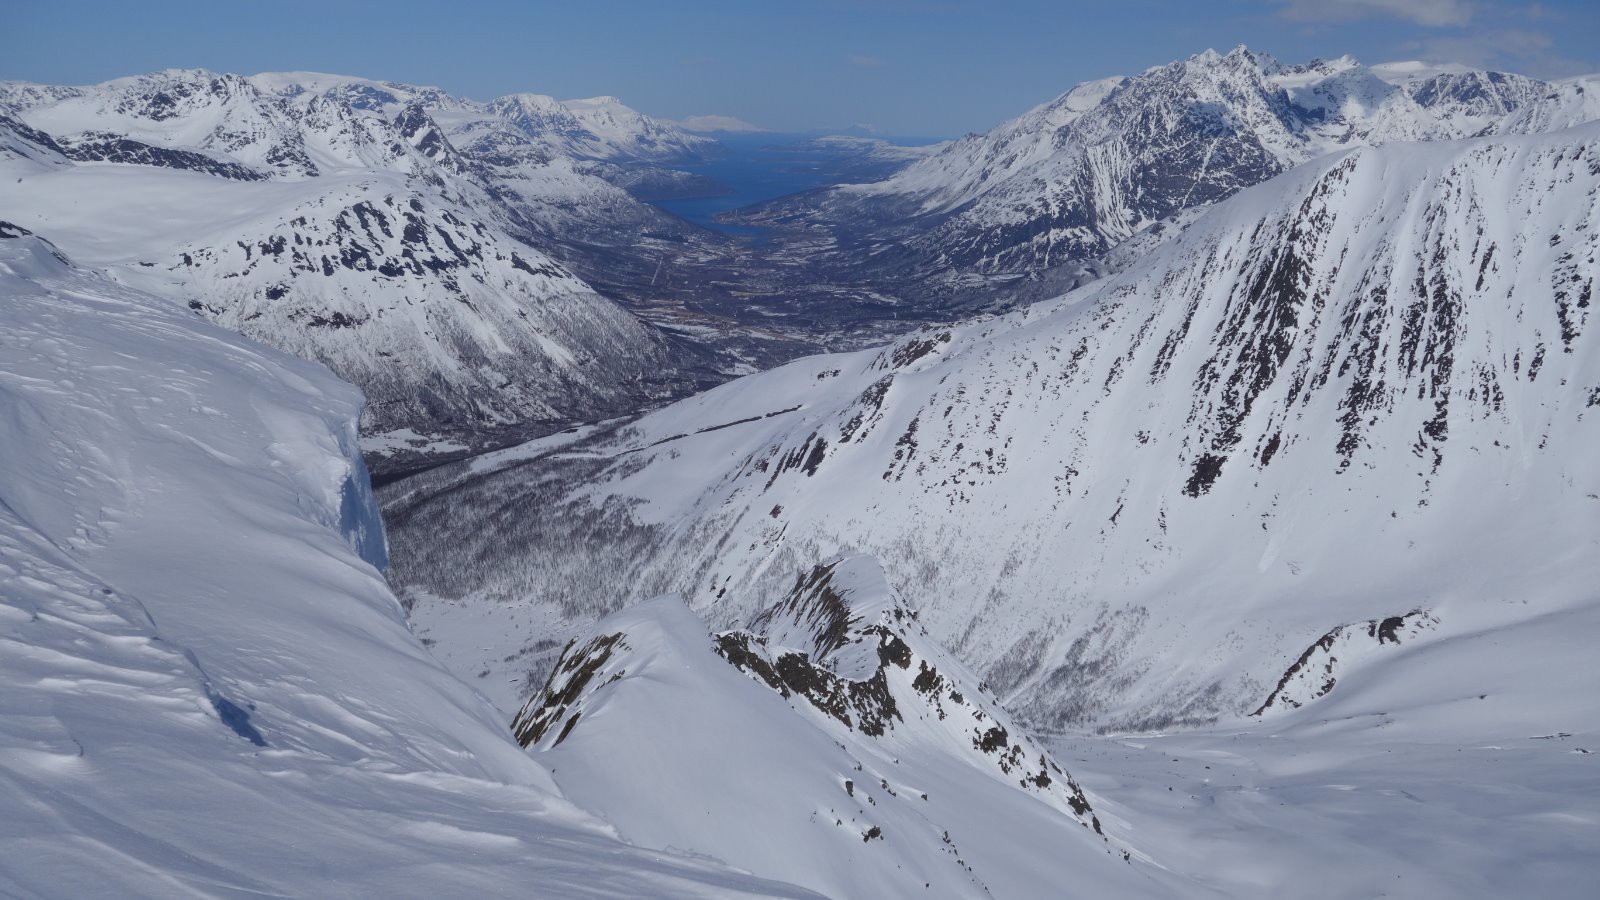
<point x="1310" y="372"/>
<point x="1063" y="183"/>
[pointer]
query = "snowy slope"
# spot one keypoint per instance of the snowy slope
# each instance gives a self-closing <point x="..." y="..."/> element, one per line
<point x="441" y="319"/>
<point x="851" y="756"/>
<point x="25" y="150"/>
<point x="1363" y="389"/>
<point x="392" y="265"/>
<point x="208" y="688"/>
<point x="1072" y="177"/>
<point x="1570" y="102"/>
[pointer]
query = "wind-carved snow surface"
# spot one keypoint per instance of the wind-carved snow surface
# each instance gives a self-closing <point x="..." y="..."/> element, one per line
<point x="830" y="744"/>
<point x="1365" y="388"/>
<point x="208" y="689"/>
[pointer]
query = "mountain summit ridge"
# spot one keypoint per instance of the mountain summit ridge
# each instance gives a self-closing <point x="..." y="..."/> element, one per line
<point x="1065" y="182"/>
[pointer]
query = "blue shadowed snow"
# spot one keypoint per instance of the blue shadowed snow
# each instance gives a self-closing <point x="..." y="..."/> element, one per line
<point x="360" y="520"/>
<point x="234" y="716"/>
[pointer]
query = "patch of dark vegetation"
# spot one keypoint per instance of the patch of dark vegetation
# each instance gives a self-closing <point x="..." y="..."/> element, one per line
<point x="710" y="428"/>
<point x="337" y="320"/>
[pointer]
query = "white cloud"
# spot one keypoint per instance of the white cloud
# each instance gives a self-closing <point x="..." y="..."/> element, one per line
<point x="1433" y="13"/>
<point x="1514" y="49"/>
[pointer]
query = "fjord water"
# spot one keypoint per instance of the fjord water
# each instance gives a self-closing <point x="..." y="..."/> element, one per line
<point x="763" y="166"/>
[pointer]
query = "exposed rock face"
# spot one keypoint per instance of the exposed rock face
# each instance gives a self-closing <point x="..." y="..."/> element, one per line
<point x="830" y="722"/>
<point x="1316" y="672"/>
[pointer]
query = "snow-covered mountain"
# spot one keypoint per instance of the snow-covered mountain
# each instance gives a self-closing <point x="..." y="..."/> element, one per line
<point x="1066" y="181"/>
<point x="1308" y="478"/>
<point x="256" y="122"/>
<point x="337" y="219"/>
<point x="829" y="744"/>
<point x="209" y="690"/>
<point x="1363" y="390"/>
<point x="300" y="124"/>
<point x="600" y="128"/>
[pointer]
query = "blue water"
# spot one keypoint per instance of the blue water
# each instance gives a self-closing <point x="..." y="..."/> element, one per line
<point x="756" y="167"/>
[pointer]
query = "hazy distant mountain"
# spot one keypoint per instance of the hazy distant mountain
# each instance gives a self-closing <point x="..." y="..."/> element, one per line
<point x="713" y="123"/>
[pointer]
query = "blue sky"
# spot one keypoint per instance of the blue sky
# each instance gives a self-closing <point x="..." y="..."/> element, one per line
<point x="907" y="67"/>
